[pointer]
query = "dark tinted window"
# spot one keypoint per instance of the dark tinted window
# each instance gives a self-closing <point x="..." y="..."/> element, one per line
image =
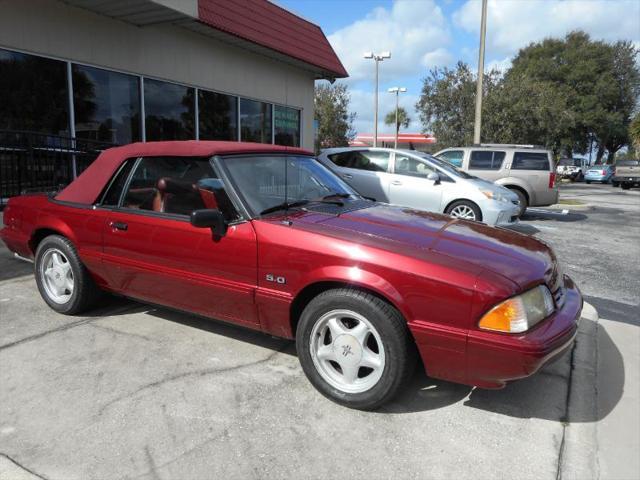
<point x="255" y="121"/>
<point x="169" y="111"/>
<point x="454" y="157"/>
<point x="628" y="163"/>
<point x="33" y="94"/>
<point x="106" y="105"/>
<point x="286" y="124"/>
<point x="372" y="161"/>
<point x="218" y="116"/>
<point x="112" y="197"/>
<point x="530" y="161"/>
<point x="486" y="160"/>
<point x="171" y="185"/>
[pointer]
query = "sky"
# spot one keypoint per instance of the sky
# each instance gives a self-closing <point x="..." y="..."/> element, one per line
<point x="423" y="34"/>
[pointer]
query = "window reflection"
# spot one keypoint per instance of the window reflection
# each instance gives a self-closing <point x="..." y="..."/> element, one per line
<point x="33" y="94"/>
<point x="287" y="126"/>
<point x="255" y="121"/>
<point x="106" y="105"/>
<point x="218" y="116"/>
<point x="169" y="111"/>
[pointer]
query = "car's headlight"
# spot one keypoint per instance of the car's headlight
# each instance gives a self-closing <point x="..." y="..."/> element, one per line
<point x="518" y="314"/>
<point x="497" y="196"/>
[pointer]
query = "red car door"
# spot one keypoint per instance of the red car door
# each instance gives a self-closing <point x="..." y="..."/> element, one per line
<point x="153" y="253"/>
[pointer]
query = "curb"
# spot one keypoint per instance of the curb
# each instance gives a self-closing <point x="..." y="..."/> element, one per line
<point x="589" y="312"/>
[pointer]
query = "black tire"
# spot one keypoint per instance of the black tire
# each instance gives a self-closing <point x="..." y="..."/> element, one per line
<point x="588" y="182"/>
<point x="615" y="184"/>
<point x="625" y="185"/>
<point x="85" y="292"/>
<point x="523" y="201"/>
<point x="465" y="203"/>
<point x="399" y="348"/>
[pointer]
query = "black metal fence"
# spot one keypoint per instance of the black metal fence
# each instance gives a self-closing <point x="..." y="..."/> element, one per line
<point x="31" y="161"/>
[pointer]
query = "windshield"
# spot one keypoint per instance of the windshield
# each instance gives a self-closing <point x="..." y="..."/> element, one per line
<point x="267" y="182"/>
<point x="446" y="166"/>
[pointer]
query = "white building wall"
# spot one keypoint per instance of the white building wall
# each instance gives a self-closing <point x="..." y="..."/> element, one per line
<point x="52" y="28"/>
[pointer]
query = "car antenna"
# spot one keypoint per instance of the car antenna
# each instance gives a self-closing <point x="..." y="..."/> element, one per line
<point x="286" y="220"/>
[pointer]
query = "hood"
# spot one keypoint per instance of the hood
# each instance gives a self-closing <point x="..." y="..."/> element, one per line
<point x="482" y="184"/>
<point x="517" y="257"/>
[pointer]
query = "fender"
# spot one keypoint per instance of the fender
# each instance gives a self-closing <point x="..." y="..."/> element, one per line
<point x="517" y="182"/>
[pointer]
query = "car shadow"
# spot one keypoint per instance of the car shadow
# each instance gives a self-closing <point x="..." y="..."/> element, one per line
<point x="11" y="267"/>
<point x="544" y="395"/>
<point x="540" y="215"/>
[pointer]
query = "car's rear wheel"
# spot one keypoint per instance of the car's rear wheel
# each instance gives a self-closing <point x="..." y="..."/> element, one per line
<point x="355" y="348"/>
<point x="464" y="209"/>
<point x="615" y="184"/>
<point x="588" y="182"/>
<point x="625" y="185"/>
<point x="63" y="281"/>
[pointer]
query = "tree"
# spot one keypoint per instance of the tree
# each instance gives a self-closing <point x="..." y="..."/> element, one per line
<point x="634" y="132"/>
<point x="403" y="119"/>
<point x="335" y="123"/>
<point x="447" y="103"/>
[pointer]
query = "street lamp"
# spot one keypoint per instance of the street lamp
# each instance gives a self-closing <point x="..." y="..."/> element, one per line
<point x="397" y="91"/>
<point x="378" y="57"/>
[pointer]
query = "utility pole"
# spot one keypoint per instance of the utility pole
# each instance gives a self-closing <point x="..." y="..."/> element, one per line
<point x="397" y="91"/>
<point x="483" y="32"/>
<point x="377" y="57"/>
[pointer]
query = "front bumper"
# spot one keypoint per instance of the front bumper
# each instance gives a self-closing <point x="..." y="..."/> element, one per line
<point x="493" y="359"/>
<point x="499" y="213"/>
<point x="628" y="179"/>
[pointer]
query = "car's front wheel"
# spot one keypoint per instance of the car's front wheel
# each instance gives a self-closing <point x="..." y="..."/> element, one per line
<point x="625" y="185"/>
<point x="355" y="348"/>
<point x="464" y="209"/>
<point x="63" y="281"/>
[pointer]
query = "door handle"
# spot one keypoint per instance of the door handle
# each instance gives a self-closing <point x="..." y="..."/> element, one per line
<point x="396" y="182"/>
<point x="347" y="175"/>
<point x="118" y="225"/>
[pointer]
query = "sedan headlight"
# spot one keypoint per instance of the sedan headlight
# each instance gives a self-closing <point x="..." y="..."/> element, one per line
<point x="497" y="196"/>
<point x="518" y="314"/>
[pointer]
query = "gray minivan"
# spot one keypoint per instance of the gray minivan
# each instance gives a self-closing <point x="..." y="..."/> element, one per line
<point x="526" y="170"/>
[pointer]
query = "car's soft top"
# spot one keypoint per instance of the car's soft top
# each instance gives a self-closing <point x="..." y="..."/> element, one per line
<point x="87" y="187"/>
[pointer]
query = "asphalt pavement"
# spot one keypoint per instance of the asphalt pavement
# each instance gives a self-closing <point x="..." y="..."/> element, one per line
<point x="132" y="391"/>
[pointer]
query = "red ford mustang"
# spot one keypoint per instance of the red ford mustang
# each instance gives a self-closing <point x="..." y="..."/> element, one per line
<point x="266" y="237"/>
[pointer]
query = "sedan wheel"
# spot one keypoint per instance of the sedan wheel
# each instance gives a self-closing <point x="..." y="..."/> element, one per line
<point x="57" y="276"/>
<point x="464" y="209"/>
<point x="347" y="351"/>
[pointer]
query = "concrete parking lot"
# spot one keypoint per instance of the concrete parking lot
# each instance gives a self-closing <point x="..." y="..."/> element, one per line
<point x="131" y="391"/>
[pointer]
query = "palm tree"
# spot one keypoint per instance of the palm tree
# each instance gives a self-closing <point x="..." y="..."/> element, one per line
<point x="403" y="119"/>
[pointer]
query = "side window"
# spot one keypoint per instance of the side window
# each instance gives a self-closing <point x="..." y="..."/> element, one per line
<point x="486" y="160"/>
<point x="176" y="185"/>
<point x="410" y="166"/>
<point x="362" y="160"/>
<point x="530" y="161"/>
<point x="111" y="197"/>
<point x="454" y="157"/>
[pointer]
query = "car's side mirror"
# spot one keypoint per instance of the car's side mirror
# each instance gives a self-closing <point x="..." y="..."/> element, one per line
<point x="434" y="177"/>
<point x="210" y="218"/>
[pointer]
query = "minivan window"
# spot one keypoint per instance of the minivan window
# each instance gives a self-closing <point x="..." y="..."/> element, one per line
<point x="486" y="160"/>
<point x="530" y="161"/>
<point x="373" y="161"/>
<point x="454" y="157"/>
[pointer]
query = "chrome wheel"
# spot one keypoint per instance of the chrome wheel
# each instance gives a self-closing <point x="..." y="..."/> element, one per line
<point x="57" y="276"/>
<point x="463" y="211"/>
<point x="347" y="351"/>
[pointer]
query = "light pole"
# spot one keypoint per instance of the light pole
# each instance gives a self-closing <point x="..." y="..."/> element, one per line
<point x="378" y="57"/>
<point x="483" y="33"/>
<point x="397" y="91"/>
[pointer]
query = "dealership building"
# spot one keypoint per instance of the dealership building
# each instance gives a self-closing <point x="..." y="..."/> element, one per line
<point x="77" y="76"/>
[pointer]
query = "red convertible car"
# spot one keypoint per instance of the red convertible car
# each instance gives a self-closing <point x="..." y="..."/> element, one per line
<point x="266" y="237"/>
